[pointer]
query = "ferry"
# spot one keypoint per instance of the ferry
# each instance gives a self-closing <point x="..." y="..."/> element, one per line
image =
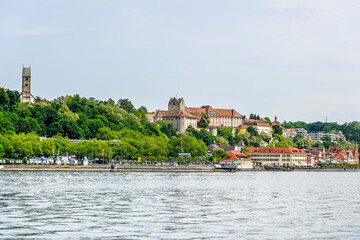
<point x="227" y="166"/>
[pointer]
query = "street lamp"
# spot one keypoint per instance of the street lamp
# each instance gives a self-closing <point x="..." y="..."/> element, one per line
<point x="142" y="150"/>
<point x="164" y="150"/>
<point x="121" y="156"/>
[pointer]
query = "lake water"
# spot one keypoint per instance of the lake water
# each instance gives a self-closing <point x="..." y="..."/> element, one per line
<point x="235" y="205"/>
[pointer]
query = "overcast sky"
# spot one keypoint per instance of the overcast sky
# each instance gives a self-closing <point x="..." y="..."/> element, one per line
<point x="298" y="60"/>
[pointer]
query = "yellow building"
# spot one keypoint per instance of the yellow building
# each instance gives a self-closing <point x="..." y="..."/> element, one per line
<point x="278" y="156"/>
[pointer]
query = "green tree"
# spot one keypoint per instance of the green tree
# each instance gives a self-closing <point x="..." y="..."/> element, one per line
<point x="219" y="154"/>
<point x="167" y="128"/>
<point x="268" y="121"/>
<point x="326" y="141"/>
<point x="125" y="104"/>
<point x="14" y="97"/>
<point x="204" y="121"/>
<point x="143" y="109"/>
<point x="195" y="147"/>
<point x="304" y="143"/>
<point x="6" y="125"/>
<point x="4" y="99"/>
<point x="111" y="102"/>
<point x="277" y="130"/>
<point x="219" y="140"/>
<point x="252" y="131"/>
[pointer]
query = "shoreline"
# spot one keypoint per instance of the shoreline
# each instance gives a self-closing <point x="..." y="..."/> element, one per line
<point x="80" y="168"/>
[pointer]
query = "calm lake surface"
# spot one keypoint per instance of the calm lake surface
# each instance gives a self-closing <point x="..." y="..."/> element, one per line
<point x="240" y="205"/>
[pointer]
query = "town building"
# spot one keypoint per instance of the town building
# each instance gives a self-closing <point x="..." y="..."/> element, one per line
<point x="5" y="89"/>
<point x="318" y="135"/>
<point x="301" y="131"/>
<point x="289" y="132"/>
<point x="278" y="156"/>
<point x="242" y="160"/>
<point x="345" y="154"/>
<point x="25" y="95"/>
<point x="260" y="126"/>
<point x="150" y="117"/>
<point x="182" y="117"/>
<point x="275" y="122"/>
<point x="314" y="135"/>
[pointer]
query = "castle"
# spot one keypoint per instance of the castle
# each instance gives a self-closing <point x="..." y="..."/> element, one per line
<point x="182" y="117"/>
<point x="25" y="95"/>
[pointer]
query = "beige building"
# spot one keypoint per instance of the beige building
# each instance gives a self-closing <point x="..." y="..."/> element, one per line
<point x="181" y="116"/>
<point x="25" y="95"/>
<point x="259" y="125"/>
<point x="278" y="156"/>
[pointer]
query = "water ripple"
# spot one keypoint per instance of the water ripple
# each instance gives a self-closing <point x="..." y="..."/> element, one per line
<point x="242" y="205"/>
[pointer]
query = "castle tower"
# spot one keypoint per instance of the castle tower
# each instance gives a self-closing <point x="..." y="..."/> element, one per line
<point x="26" y="96"/>
<point x="176" y="104"/>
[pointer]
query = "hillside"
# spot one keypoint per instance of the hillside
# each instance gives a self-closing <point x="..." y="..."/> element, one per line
<point x="74" y="117"/>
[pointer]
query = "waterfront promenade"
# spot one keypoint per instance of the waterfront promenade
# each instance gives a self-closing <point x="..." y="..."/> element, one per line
<point x="107" y="168"/>
<point x="142" y="168"/>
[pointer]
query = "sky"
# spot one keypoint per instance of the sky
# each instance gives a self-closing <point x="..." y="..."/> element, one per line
<point x="297" y="60"/>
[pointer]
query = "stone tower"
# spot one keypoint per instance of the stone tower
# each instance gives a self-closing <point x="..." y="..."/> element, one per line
<point x="176" y="104"/>
<point x="26" y="96"/>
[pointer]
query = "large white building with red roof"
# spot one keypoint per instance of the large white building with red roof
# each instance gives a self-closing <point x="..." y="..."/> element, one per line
<point x="182" y="117"/>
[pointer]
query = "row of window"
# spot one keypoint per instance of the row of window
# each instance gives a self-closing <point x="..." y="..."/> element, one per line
<point x="270" y="155"/>
<point x="270" y="160"/>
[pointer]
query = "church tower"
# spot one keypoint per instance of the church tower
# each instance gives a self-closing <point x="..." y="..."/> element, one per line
<point x="26" y="96"/>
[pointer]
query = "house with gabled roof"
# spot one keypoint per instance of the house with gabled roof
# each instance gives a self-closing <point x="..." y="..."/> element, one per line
<point x="349" y="154"/>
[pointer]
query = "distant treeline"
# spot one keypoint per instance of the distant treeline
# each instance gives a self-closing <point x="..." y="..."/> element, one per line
<point x="350" y="130"/>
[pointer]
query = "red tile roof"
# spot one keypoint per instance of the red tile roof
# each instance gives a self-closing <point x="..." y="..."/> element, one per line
<point x="254" y="122"/>
<point x="173" y="113"/>
<point x="337" y="149"/>
<point x="276" y="123"/>
<point x="236" y="155"/>
<point x="274" y="150"/>
<point x="5" y="89"/>
<point x="198" y="112"/>
<point x="150" y="116"/>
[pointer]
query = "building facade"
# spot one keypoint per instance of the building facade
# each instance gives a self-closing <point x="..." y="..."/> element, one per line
<point x="242" y="161"/>
<point x="278" y="156"/>
<point x="345" y="154"/>
<point x="25" y="95"/>
<point x="259" y="125"/>
<point x="182" y="117"/>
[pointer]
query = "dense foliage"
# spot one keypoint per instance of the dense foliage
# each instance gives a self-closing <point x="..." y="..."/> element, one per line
<point x="73" y="117"/>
